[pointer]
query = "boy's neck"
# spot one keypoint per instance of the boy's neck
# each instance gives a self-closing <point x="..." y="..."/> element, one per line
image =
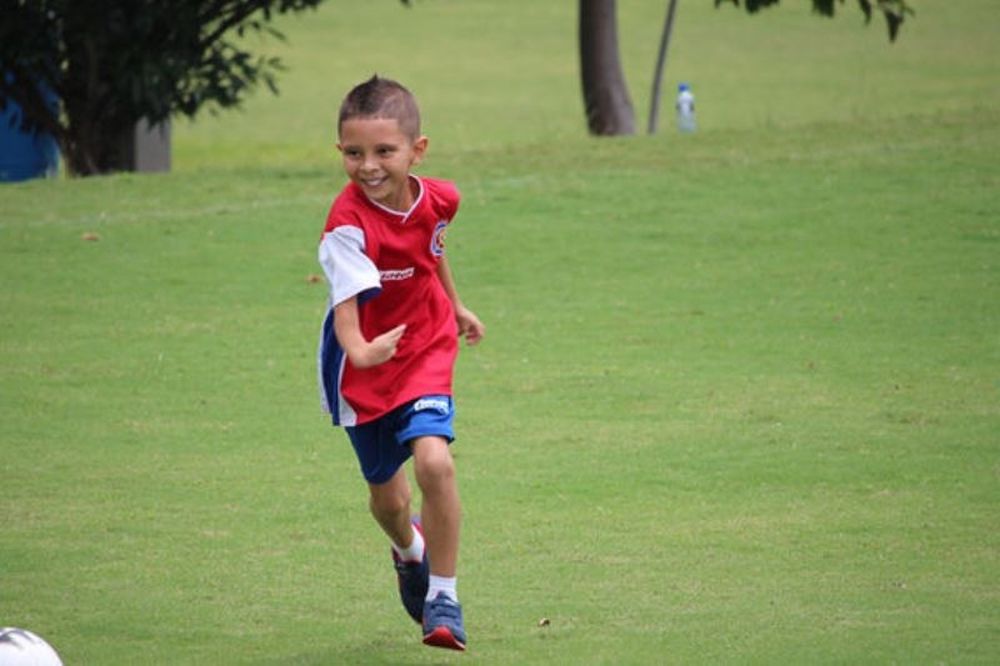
<point x="414" y="192"/>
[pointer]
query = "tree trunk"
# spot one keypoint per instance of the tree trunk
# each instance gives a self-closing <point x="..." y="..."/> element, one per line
<point x="661" y="62"/>
<point x="100" y="134"/>
<point x="605" y="94"/>
<point x="98" y="146"/>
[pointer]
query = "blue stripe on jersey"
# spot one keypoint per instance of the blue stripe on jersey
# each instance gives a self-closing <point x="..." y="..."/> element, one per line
<point x="331" y="359"/>
<point x="368" y="294"/>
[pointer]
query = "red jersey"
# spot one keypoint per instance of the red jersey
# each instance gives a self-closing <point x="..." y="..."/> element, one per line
<point x="389" y="260"/>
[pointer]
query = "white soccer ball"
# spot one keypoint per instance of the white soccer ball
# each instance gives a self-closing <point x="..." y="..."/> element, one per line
<point x="20" y="647"/>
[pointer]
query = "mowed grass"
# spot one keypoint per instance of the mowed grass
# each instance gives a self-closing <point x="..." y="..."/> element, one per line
<point x="739" y="402"/>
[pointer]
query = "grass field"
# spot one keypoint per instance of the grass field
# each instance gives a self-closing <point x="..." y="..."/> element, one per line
<point x="739" y="400"/>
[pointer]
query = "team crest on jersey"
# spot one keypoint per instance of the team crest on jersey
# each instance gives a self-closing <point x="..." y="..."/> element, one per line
<point x="437" y="238"/>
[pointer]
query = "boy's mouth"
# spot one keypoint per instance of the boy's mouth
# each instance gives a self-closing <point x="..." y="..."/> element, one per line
<point x="374" y="182"/>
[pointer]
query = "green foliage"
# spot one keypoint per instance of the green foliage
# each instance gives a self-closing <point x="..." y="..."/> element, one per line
<point x="894" y="11"/>
<point x="114" y="62"/>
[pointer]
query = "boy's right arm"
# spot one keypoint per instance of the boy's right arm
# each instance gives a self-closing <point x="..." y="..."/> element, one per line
<point x="361" y="352"/>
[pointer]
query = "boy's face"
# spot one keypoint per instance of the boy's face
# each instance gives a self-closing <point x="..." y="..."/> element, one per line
<point x="378" y="157"/>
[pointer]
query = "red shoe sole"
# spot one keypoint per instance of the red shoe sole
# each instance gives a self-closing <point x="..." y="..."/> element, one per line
<point x="441" y="637"/>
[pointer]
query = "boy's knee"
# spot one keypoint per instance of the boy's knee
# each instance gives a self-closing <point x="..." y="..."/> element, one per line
<point x="389" y="500"/>
<point x="433" y="464"/>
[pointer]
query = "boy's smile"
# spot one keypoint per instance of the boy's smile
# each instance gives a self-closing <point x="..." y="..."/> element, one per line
<point x="378" y="156"/>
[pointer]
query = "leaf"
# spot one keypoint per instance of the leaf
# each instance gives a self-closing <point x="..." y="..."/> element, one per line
<point x="866" y="8"/>
<point x="893" y="21"/>
<point x="824" y="7"/>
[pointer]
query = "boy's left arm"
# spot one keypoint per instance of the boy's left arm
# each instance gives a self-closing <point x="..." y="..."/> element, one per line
<point x="468" y="323"/>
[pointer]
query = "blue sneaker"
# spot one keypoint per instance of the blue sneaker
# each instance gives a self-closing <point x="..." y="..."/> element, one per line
<point x="443" y="625"/>
<point x="413" y="580"/>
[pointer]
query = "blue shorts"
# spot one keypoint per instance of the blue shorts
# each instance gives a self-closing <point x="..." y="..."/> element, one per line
<point x="383" y="445"/>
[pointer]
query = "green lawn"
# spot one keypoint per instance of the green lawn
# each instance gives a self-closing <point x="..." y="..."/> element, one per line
<point x="739" y="400"/>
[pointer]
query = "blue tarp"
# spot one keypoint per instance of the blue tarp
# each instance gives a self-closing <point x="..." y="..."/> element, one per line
<point x="25" y="154"/>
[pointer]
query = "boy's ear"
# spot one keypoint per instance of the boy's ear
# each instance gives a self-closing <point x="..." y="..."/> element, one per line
<point x="419" y="149"/>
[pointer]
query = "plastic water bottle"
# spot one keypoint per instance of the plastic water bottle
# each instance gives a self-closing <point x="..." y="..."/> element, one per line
<point x="685" y="109"/>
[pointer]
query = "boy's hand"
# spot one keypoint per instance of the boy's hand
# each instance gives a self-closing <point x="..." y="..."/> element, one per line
<point x="469" y="325"/>
<point x="380" y="349"/>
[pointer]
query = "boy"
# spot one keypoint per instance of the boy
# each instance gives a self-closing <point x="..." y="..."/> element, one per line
<point x="390" y="340"/>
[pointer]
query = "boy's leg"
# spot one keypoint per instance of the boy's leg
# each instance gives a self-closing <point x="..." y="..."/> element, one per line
<point x="441" y="512"/>
<point x="390" y="505"/>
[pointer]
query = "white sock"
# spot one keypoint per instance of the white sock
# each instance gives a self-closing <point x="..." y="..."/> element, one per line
<point x="415" y="551"/>
<point x="441" y="584"/>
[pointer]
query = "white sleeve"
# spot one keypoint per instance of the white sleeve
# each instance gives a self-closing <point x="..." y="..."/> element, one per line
<point x="348" y="269"/>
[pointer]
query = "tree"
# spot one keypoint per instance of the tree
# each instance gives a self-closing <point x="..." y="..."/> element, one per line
<point x="114" y="62"/>
<point x="605" y="93"/>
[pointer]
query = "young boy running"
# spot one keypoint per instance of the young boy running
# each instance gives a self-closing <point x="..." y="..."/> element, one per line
<point x="390" y="340"/>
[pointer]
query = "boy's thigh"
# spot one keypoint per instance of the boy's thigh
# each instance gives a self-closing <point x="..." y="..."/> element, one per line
<point x="383" y="446"/>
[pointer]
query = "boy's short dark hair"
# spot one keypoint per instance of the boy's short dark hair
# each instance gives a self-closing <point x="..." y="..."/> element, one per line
<point x="382" y="98"/>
